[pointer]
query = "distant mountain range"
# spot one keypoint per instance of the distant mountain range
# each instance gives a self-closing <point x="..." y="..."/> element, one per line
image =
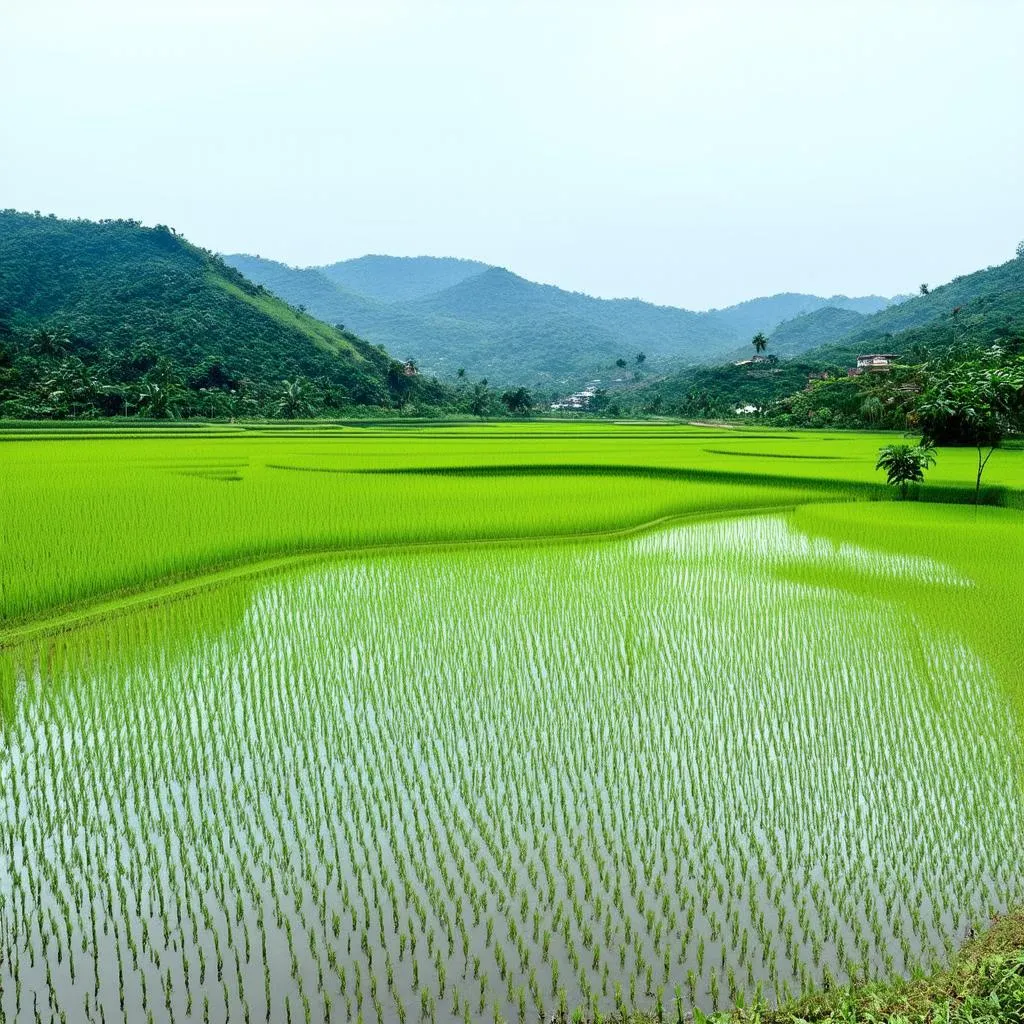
<point x="449" y="314"/>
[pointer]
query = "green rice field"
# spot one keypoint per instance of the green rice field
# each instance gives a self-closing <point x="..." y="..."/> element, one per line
<point x="485" y="723"/>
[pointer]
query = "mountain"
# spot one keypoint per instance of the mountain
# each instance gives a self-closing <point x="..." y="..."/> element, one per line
<point x="764" y="314"/>
<point x="308" y="289"/>
<point x="976" y="309"/>
<point x="499" y="325"/>
<point x="972" y="312"/>
<point x="112" y="311"/>
<point x="812" y="329"/>
<point x="986" y="306"/>
<point x="400" y="278"/>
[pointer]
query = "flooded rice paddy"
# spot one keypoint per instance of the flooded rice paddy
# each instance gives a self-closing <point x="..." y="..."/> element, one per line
<point x="488" y="784"/>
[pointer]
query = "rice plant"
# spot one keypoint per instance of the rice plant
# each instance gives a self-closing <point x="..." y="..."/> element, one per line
<point x="729" y="760"/>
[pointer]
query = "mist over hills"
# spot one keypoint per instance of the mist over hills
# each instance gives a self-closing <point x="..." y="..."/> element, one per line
<point x="399" y="278"/>
<point x="449" y="314"/>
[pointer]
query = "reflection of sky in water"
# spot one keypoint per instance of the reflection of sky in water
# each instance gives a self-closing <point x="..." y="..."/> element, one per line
<point x="654" y="755"/>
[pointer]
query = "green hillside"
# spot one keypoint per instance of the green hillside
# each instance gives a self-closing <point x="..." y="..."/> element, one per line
<point x="452" y="314"/>
<point x="980" y="308"/>
<point x="967" y="316"/>
<point x="117" y="318"/>
<point x="812" y="329"/>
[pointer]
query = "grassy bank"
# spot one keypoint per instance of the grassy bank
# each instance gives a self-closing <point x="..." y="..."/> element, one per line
<point x="983" y="985"/>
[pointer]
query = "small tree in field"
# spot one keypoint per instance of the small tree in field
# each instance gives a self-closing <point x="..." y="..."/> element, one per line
<point x="904" y="464"/>
<point x="974" y="404"/>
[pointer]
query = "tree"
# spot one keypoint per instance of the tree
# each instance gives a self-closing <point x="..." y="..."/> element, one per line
<point x="760" y="342"/>
<point x="904" y="464"/>
<point x="620" y="363"/>
<point x="480" y="402"/>
<point x="872" y="409"/>
<point x="640" y="357"/>
<point x="460" y="372"/>
<point x="975" y="404"/>
<point x="293" y="403"/>
<point x="924" y="289"/>
<point x="1020" y="249"/>
<point x="518" y="401"/>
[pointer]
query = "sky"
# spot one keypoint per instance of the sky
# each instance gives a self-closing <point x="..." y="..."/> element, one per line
<point x="692" y="154"/>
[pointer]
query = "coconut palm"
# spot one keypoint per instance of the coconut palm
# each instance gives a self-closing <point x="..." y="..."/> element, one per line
<point x="293" y="403"/>
<point x="760" y="342"/>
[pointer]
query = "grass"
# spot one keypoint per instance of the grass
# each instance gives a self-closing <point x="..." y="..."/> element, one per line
<point x="983" y="985"/>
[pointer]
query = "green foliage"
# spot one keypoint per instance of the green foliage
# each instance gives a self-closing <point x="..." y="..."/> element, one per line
<point x="957" y="323"/>
<point x="715" y="391"/>
<point x="400" y="278"/>
<point x="114" y="319"/>
<point x="518" y="401"/>
<point x="905" y="464"/>
<point x="975" y="403"/>
<point x="797" y="336"/>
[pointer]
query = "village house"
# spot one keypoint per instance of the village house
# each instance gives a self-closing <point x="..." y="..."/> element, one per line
<point x="876" y="362"/>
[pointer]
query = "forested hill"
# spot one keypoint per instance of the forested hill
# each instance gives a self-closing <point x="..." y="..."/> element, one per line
<point x="449" y="314"/>
<point x="984" y="306"/>
<point x="979" y="308"/>
<point x="952" y="322"/>
<point x="117" y="318"/>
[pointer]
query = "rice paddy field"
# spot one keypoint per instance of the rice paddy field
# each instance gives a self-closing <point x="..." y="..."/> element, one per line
<point x="492" y="723"/>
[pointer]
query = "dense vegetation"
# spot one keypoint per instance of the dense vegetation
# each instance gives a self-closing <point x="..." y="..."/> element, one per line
<point x="115" y="319"/>
<point x="449" y="314"/>
<point x="973" y="319"/>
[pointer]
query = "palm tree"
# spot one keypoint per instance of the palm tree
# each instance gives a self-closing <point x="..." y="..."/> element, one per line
<point x="905" y="464"/>
<point x="481" y="400"/>
<point x="760" y="342"/>
<point x="293" y="403"/>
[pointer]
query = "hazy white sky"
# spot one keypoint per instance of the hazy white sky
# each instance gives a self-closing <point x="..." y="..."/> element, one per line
<point x="689" y="153"/>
